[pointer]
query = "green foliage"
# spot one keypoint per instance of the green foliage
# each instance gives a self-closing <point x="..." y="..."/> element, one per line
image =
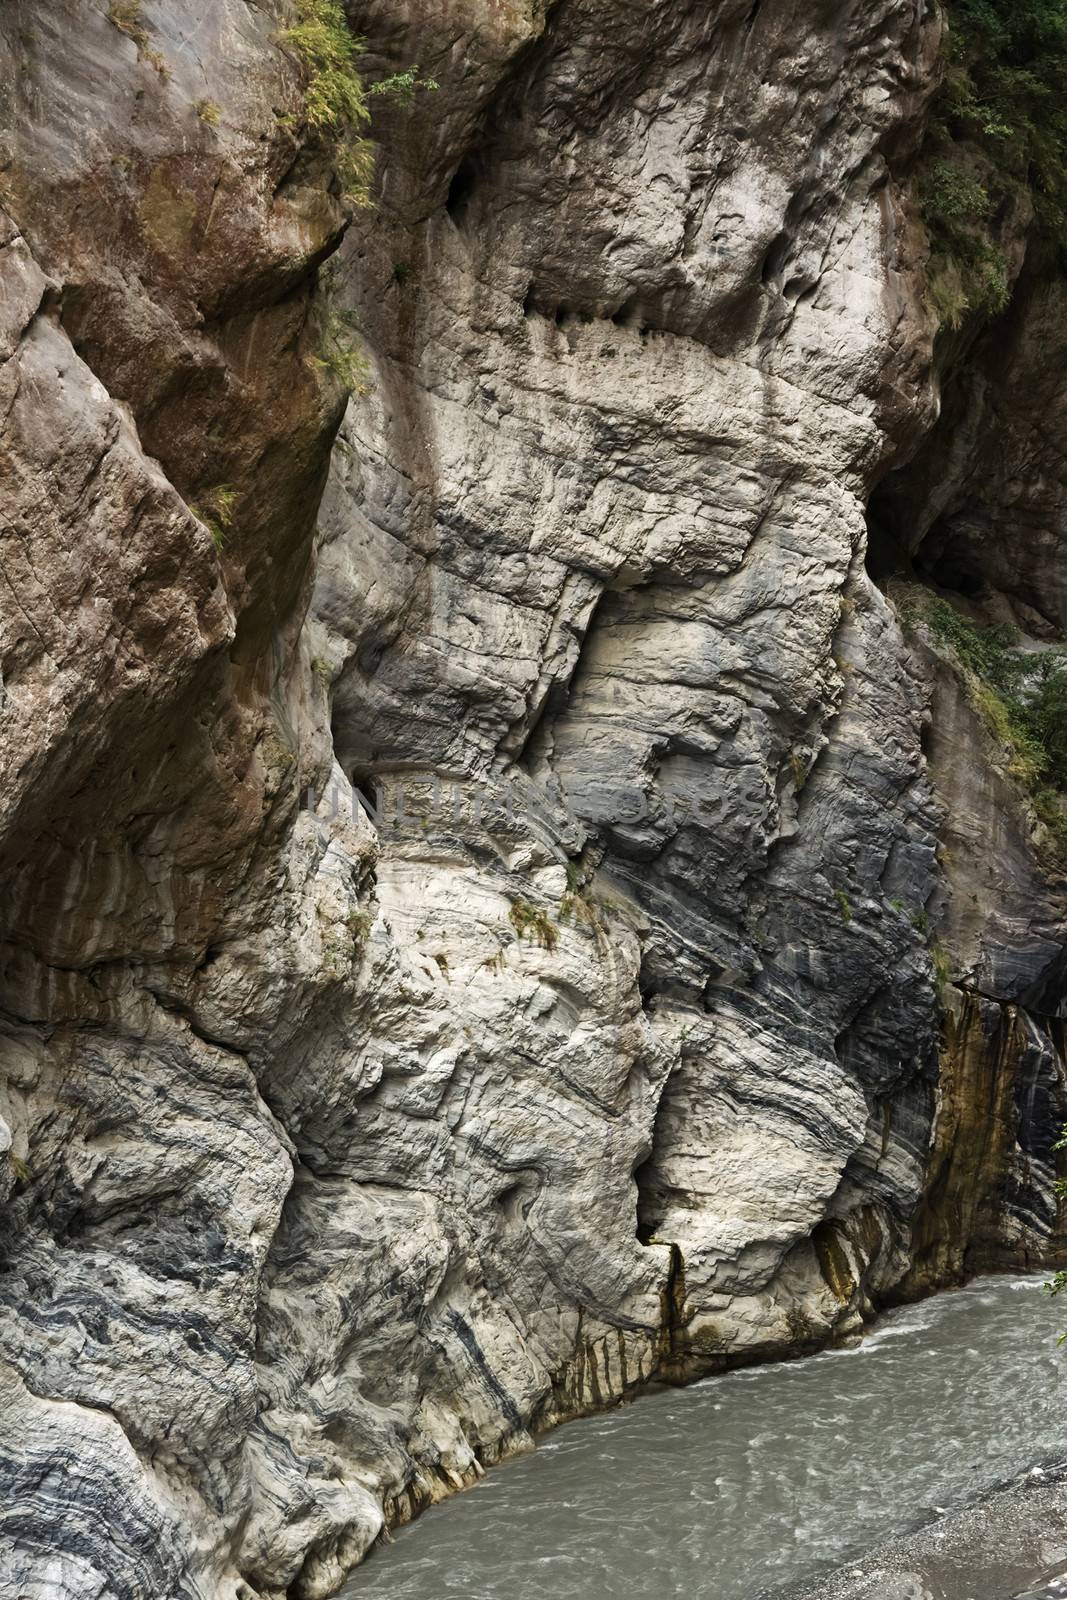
<point x="1021" y="696"/>
<point x="215" y="511"/>
<point x="1004" y="91"/>
<point x="209" y="111"/>
<point x="337" y="352"/>
<point x="949" y="194"/>
<point x="403" y="85"/>
<point x="1047" y="716"/>
<point x="335" y="96"/>
<point x="998" y="132"/>
<point x="965" y="274"/>
<point x="577" y="905"/>
<point x="844" y="905"/>
<point x="338" y="356"/>
<point x="942" y="964"/>
<point x="530" y="922"/>
<point x="335" y="104"/>
<point x="985" y="651"/>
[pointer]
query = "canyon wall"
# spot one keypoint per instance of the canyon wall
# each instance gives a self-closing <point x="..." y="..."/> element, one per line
<point x="499" y="905"/>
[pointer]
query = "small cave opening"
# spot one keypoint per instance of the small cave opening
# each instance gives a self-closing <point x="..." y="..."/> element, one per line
<point x="461" y="189"/>
<point x="776" y="258"/>
<point x="510" y="1203"/>
<point x="654" y="1193"/>
<point x="888" y="545"/>
<point x="941" y="562"/>
<point x="897" y="546"/>
<point x="367" y="791"/>
<point x="649" y="1208"/>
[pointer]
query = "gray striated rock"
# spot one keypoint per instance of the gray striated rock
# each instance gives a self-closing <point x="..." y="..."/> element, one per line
<point x="465" y="962"/>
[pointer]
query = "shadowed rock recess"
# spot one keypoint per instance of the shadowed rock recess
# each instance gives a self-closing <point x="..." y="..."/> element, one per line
<point x="497" y="905"/>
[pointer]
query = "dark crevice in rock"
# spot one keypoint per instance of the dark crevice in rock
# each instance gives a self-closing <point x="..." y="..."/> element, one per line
<point x="461" y="189"/>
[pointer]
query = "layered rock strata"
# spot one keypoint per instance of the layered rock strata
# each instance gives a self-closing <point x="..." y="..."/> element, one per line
<point x="467" y="928"/>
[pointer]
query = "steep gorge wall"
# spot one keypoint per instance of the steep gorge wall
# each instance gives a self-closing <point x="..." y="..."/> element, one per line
<point x="347" y="1151"/>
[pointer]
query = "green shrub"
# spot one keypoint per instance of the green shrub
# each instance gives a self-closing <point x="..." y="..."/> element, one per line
<point x="987" y="652"/>
<point x="403" y="85"/>
<point x="1002" y="107"/>
<point x="1050" y="808"/>
<point x="1005" y="90"/>
<point x="335" y="104"/>
<point x="997" y="133"/>
<point x="334" y="100"/>
<point x="1047" y="715"/>
<point x="949" y="194"/>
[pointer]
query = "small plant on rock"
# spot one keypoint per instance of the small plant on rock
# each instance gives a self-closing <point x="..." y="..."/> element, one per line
<point x="337" y="353"/>
<point x="577" y="904"/>
<point x="215" y="511"/>
<point x="125" y="15"/>
<point x="530" y="922"/>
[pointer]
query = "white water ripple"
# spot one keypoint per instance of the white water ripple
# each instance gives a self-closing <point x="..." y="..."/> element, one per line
<point x="746" y="1483"/>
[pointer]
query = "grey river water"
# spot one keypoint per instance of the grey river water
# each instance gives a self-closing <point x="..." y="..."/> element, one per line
<point x="745" y="1483"/>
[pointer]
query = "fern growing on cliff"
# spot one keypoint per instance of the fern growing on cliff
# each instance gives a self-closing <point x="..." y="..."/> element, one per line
<point x="335" y="103"/>
<point x="335" y="96"/>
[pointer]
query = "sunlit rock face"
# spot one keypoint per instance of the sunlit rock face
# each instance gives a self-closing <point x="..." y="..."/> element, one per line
<point x="468" y="931"/>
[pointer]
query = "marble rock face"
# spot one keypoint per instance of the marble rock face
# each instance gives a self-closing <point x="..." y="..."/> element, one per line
<point x="496" y="910"/>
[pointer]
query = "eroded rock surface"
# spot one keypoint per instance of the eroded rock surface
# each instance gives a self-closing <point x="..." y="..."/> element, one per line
<point x="472" y="959"/>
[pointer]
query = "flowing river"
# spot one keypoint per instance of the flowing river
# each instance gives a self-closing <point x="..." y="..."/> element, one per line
<point x="746" y="1483"/>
